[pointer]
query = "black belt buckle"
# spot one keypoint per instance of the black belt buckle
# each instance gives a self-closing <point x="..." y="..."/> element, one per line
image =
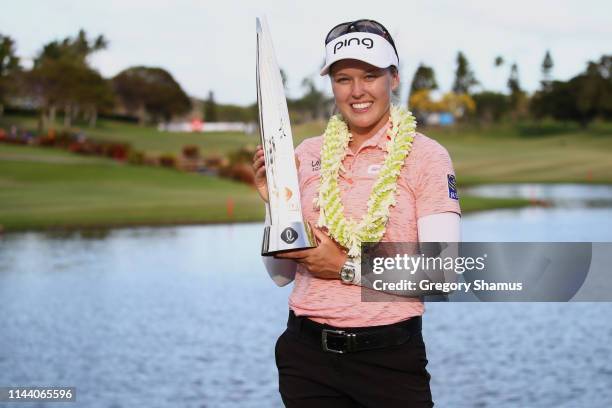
<point x="348" y="343"/>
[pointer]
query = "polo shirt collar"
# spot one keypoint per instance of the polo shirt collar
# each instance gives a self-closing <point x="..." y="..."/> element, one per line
<point x="379" y="139"/>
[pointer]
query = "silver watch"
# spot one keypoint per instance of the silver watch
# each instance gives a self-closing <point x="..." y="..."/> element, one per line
<point x="347" y="273"/>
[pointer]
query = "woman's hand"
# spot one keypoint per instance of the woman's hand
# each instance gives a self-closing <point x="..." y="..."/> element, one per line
<point x="259" y="167"/>
<point x="325" y="261"/>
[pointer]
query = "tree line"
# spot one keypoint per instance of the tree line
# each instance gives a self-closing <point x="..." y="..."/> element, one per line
<point x="62" y="79"/>
<point x="582" y="98"/>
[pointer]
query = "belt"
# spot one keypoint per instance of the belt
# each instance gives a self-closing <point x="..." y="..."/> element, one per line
<point x="347" y="340"/>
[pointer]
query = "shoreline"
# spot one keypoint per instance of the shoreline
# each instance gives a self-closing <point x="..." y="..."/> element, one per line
<point x="487" y="204"/>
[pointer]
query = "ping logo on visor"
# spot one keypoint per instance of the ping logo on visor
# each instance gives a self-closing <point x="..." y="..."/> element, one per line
<point x="367" y="47"/>
<point x="452" y="187"/>
<point x="347" y="42"/>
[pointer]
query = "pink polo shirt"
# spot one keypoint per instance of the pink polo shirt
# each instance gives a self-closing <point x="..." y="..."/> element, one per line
<point x="426" y="186"/>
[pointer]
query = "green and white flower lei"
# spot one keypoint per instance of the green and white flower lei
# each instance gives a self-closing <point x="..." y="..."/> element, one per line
<point x="371" y="227"/>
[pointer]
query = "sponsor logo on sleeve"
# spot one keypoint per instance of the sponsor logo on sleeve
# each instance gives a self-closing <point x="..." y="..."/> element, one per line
<point x="452" y="187"/>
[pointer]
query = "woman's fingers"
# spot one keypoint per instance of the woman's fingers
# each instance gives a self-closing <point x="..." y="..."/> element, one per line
<point x="259" y="167"/>
<point x="258" y="164"/>
<point x="319" y="235"/>
<point x="258" y="158"/>
<point x="260" y="173"/>
<point x="258" y="153"/>
<point x="297" y="254"/>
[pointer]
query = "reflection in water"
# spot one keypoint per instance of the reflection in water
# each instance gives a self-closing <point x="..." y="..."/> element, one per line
<point x="560" y="195"/>
<point x="536" y="224"/>
<point x="186" y="316"/>
<point x="579" y="213"/>
<point x="71" y="234"/>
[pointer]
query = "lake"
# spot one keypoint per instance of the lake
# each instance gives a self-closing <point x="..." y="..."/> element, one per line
<point x="187" y="316"/>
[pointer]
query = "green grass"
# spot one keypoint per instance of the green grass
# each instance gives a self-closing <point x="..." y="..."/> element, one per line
<point x="471" y="204"/>
<point x="47" y="188"/>
<point x="150" y="140"/>
<point x="527" y="152"/>
<point x="506" y="154"/>
<point x="548" y="152"/>
<point x="50" y="188"/>
<point x="66" y="190"/>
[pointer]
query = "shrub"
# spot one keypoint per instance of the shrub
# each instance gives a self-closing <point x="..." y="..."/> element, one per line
<point x="136" y="157"/>
<point x="191" y="152"/>
<point x="243" y="172"/>
<point x="64" y="139"/>
<point x="151" y="160"/>
<point x="216" y="161"/>
<point x="119" y="151"/>
<point x="239" y="171"/>
<point x="167" y="160"/>
<point x="242" y="155"/>
<point x="76" y="147"/>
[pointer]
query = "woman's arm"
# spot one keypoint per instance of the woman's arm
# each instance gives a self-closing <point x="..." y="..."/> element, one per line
<point x="445" y="228"/>
<point x="282" y="271"/>
<point x="442" y="227"/>
<point x="326" y="259"/>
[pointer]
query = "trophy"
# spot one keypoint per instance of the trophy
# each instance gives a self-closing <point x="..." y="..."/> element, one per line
<point x="285" y="229"/>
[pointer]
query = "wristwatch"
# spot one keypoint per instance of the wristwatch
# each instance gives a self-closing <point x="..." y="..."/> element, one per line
<point x="349" y="271"/>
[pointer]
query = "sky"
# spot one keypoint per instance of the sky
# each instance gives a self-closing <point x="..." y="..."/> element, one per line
<point x="210" y="45"/>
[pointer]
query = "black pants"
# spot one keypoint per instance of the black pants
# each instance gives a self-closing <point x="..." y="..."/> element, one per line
<point x="390" y="377"/>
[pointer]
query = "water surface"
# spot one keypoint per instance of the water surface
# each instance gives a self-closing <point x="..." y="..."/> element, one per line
<point x="187" y="317"/>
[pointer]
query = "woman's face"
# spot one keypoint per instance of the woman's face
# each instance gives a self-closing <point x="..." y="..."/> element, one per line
<point x="363" y="93"/>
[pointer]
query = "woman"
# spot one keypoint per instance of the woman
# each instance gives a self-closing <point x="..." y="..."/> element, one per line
<point x="370" y="177"/>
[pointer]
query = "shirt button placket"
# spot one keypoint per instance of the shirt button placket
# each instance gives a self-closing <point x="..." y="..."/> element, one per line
<point x="349" y="172"/>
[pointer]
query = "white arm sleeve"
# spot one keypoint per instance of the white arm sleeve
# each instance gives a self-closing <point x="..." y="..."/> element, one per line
<point x="282" y="271"/>
<point x="442" y="227"/>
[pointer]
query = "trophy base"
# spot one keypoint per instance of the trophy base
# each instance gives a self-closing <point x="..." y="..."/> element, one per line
<point x="287" y="237"/>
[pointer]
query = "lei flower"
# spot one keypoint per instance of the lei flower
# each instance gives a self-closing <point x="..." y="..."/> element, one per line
<point x="371" y="227"/>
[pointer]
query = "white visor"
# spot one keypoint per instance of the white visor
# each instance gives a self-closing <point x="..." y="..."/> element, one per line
<point x="366" y="47"/>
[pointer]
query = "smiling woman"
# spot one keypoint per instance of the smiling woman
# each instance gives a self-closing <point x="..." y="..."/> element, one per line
<point x="362" y="94"/>
<point x="375" y="179"/>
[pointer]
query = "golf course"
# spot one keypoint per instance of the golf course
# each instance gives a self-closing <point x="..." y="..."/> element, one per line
<point x="49" y="188"/>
